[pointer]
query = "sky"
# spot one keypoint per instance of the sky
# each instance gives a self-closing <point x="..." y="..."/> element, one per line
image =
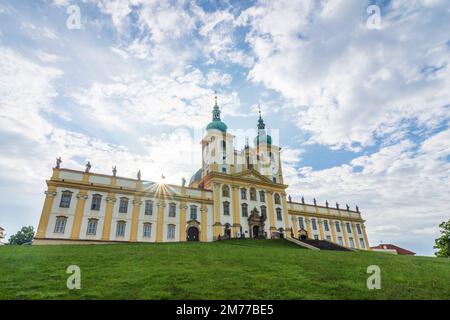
<point x="357" y="94"/>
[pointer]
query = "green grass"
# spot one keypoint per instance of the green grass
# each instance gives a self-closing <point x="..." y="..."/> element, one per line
<point x="235" y="269"/>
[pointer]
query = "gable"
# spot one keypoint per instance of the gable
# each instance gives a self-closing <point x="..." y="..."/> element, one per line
<point x="253" y="175"/>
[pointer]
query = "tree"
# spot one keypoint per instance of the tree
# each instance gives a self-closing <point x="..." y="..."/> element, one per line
<point x="26" y="234"/>
<point x="443" y="243"/>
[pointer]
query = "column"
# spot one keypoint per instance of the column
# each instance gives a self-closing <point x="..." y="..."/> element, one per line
<point x="236" y="211"/>
<point x="182" y="223"/>
<point x="322" y="234"/>
<point x="110" y="200"/>
<point x="204" y="223"/>
<point x="333" y="231"/>
<point x="355" y="236"/>
<point x="271" y="212"/>
<point x="135" y="218"/>
<point x="344" y="233"/>
<point x="295" y="225"/>
<point x="217" y="224"/>
<point x="308" y="226"/>
<point x="160" y="221"/>
<point x="50" y="195"/>
<point x="366" y="240"/>
<point x="286" y="215"/>
<point x="79" y="211"/>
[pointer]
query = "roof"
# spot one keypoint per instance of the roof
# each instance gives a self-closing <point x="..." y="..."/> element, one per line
<point x="196" y="176"/>
<point x="384" y="246"/>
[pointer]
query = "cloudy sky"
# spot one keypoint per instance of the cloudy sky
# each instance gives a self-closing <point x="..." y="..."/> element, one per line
<point x="360" y="105"/>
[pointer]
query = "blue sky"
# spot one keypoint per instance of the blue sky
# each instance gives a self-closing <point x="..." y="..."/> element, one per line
<point x="362" y="114"/>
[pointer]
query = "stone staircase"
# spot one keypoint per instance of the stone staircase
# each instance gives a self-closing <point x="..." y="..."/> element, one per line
<point x="318" y="244"/>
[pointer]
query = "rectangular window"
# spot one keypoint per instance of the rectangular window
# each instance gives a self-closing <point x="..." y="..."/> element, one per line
<point x="65" y="199"/>
<point x="120" y="230"/>
<point x="358" y="227"/>
<point x="60" y="225"/>
<point x="314" y="224"/>
<point x="279" y="216"/>
<point x="325" y="225"/>
<point x="341" y="242"/>
<point x="92" y="227"/>
<point x="226" y="208"/>
<point x="224" y="170"/>
<point x="147" y="230"/>
<point x="172" y="210"/>
<point x="262" y="196"/>
<point x="361" y="242"/>
<point x="96" y="200"/>
<point x="148" y="207"/>
<point x="244" y="194"/>
<point x="244" y="211"/>
<point x="123" y="206"/>
<point x="193" y="212"/>
<point x="352" y="243"/>
<point x="316" y="237"/>
<point x="274" y="179"/>
<point x="328" y="238"/>
<point x="301" y="223"/>
<point x="171" y="231"/>
<point x="349" y="229"/>
<point x="338" y="226"/>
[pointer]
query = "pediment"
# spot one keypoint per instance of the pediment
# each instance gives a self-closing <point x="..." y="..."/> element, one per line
<point x="253" y="175"/>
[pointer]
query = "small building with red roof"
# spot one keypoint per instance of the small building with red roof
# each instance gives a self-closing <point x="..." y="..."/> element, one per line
<point x="391" y="248"/>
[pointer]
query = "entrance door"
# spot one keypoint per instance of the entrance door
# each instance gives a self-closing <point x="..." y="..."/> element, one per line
<point x="192" y="234"/>
<point x="255" y="232"/>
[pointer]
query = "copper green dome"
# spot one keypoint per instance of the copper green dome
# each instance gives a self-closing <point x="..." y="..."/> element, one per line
<point x="216" y="123"/>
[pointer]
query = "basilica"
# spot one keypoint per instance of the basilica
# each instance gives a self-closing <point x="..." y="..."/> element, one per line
<point x="235" y="194"/>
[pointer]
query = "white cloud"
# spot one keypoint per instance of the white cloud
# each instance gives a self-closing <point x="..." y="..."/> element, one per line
<point x="401" y="189"/>
<point x="353" y="84"/>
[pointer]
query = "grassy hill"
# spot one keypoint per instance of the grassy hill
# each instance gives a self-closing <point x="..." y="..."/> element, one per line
<point x="235" y="269"/>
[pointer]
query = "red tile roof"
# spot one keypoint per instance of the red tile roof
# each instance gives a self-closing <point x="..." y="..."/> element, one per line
<point x="393" y="247"/>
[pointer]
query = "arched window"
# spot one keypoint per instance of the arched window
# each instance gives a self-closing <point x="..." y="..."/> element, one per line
<point x="123" y="206"/>
<point x="60" y="224"/>
<point x="226" y="191"/>
<point x="262" y="196"/>
<point x="66" y="196"/>
<point x="244" y="194"/>
<point x="96" y="201"/>
<point x="253" y="194"/>
<point x="244" y="210"/>
<point x="92" y="227"/>
<point x="172" y="210"/>
<point x="277" y="198"/>
<point x="193" y="212"/>
<point x="226" y="208"/>
<point x="279" y="216"/>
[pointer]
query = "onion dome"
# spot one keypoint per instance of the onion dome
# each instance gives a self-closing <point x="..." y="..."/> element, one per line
<point x="216" y="123"/>
<point x="262" y="137"/>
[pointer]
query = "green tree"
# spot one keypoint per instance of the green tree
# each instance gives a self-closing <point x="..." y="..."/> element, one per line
<point x="443" y="243"/>
<point x="26" y="234"/>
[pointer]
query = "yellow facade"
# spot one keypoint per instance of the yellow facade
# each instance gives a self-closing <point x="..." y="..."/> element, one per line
<point x="135" y="210"/>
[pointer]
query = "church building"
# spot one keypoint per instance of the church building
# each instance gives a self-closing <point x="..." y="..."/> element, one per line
<point x="235" y="194"/>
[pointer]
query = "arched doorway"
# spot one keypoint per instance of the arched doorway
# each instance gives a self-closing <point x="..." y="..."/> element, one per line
<point x="227" y="231"/>
<point x="255" y="232"/>
<point x="192" y="234"/>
